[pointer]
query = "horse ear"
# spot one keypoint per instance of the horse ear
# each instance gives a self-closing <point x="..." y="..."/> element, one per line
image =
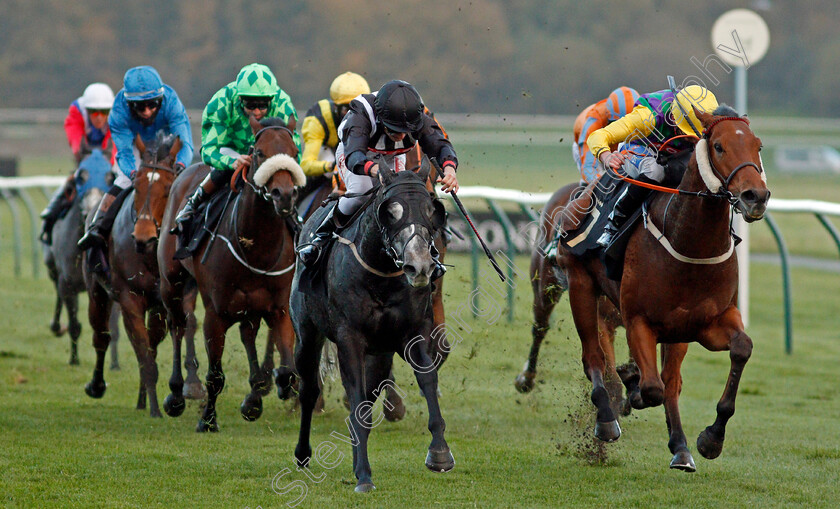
<point x="292" y="124"/>
<point x="425" y="168"/>
<point x="386" y="174"/>
<point x="176" y="147"/>
<point x="255" y="124"/>
<point x="703" y="117"/>
<point x="140" y="145"/>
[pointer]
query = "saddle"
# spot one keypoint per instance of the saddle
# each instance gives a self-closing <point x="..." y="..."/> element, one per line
<point x="202" y="224"/>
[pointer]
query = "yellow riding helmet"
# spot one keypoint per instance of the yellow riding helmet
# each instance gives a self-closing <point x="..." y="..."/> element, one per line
<point x="692" y="96"/>
<point x="347" y="86"/>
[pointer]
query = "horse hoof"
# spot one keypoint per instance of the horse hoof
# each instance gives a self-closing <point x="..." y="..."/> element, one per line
<point x="683" y="461"/>
<point x="115" y="367"/>
<point x="205" y="426"/>
<point x="524" y="382"/>
<point x="636" y="400"/>
<point x="251" y="408"/>
<point x="440" y="461"/>
<point x="74" y="361"/>
<point x="58" y="330"/>
<point x="708" y="446"/>
<point x="95" y="389"/>
<point x="364" y="487"/>
<point x="154" y="413"/>
<point x="626" y="408"/>
<point x="174" y="406"/>
<point x="194" y="391"/>
<point x="396" y="414"/>
<point x="607" y="431"/>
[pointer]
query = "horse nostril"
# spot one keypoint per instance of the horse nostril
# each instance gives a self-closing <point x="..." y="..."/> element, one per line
<point x="276" y="194"/>
<point x="749" y="196"/>
<point x="410" y="270"/>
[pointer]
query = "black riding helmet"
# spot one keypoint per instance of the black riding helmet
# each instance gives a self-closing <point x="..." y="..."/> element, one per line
<point x="399" y="107"/>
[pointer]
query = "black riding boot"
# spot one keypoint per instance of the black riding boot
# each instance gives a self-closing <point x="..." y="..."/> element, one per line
<point x="59" y="202"/>
<point x="100" y="226"/>
<point x="310" y="252"/>
<point x="199" y="196"/>
<point x="630" y="200"/>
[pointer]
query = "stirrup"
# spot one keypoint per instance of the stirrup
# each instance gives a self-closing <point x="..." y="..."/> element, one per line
<point x="92" y="238"/>
<point x="607" y="237"/>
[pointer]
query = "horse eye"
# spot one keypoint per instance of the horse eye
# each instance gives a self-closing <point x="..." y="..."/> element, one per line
<point x="718" y="148"/>
<point x="760" y="147"/>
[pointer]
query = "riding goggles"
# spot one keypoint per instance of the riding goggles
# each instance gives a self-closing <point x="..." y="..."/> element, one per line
<point x="150" y="104"/>
<point x="256" y="103"/>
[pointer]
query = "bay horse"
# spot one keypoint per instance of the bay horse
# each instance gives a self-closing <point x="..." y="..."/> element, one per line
<point x="376" y="299"/>
<point x="63" y="257"/>
<point x="680" y="285"/>
<point x="134" y="277"/>
<point x="549" y="283"/>
<point x="248" y="270"/>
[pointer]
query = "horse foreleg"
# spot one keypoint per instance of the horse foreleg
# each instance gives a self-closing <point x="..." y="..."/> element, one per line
<point x="282" y="336"/>
<point x="606" y="338"/>
<point x="267" y="366"/>
<point x="642" y="342"/>
<point x="133" y="311"/>
<point x="71" y="301"/>
<point x="214" y="342"/>
<point x="584" y="304"/>
<point x="98" y="310"/>
<point x="728" y="333"/>
<point x="156" y="332"/>
<point x="351" y="362"/>
<point x="251" y="407"/>
<point x="546" y="295"/>
<point x="439" y="458"/>
<point x="174" y="404"/>
<point x="672" y="358"/>
<point x="307" y="360"/>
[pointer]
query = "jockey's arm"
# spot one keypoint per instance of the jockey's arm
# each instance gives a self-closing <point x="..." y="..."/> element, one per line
<point x="179" y="124"/>
<point x="637" y="123"/>
<point x="74" y="127"/>
<point x="214" y="133"/>
<point x="124" y="142"/>
<point x="313" y="139"/>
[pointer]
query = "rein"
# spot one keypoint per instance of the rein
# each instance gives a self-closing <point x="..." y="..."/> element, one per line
<point x="255" y="154"/>
<point x="147" y="207"/>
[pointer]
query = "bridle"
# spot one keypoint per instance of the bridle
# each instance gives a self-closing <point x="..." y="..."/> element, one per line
<point x="257" y="157"/>
<point x="389" y="195"/>
<point x="146" y="210"/>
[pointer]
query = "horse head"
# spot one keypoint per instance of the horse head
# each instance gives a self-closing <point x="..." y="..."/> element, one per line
<point x="728" y="146"/>
<point x="152" y="182"/>
<point x="409" y="220"/>
<point x="91" y="179"/>
<point x="275" y="174"/>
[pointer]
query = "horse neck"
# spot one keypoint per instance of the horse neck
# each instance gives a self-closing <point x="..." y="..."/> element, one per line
<point x="256" y="220"/>
<point x="696" y="227"/>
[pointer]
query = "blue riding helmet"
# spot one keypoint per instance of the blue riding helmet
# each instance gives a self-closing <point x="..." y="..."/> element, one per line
<point x="142" y="84"/>
<point x="93" y="172"/>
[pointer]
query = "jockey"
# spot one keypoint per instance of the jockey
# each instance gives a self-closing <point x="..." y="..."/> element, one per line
<point x="389" y="123"/>
<point x="595" y="116"/>
<point x="320" y="124"/>
<point x="143" y="107"/>
<point x="657" y="117"/>
<point x="226" y="135"/>
<point x="87" y="119"/>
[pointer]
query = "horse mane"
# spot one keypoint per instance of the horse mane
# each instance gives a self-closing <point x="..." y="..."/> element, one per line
<point x="724" y="110"/>
<point x="162" y="144"/>
<point x="273" y="122"/>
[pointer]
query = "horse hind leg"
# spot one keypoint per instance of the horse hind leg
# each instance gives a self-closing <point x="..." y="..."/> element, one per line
<point x="193" y="388"/>
<point x="71" y="301"/>
<point x="729" y="335"/>
<point x="133" y="313"/>
<point x="98" y="310"/>
<point x="672" y="357"/>
<point x="115" y="337"/>
<point x="282" y="335"/>
<point x="55" y="324"/>
<point x="584" y="304"/>
<point x="307" y="359"/>
<point x="546" y="294"/>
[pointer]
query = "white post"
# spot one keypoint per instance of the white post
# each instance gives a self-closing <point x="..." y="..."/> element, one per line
<point x="741" y="230"/>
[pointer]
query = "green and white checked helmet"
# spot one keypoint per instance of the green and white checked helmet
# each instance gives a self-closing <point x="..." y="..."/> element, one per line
<point x="256" y="80"/>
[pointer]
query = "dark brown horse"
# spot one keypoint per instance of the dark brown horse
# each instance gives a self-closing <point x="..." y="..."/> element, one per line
<point x="680" y="285"/>
<point x="548" y="283"/>
<point x="134" y="276"/>
<point x="248" y="270"/>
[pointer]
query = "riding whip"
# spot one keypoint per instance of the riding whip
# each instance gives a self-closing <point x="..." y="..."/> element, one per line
<point x="439" y="170"/>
